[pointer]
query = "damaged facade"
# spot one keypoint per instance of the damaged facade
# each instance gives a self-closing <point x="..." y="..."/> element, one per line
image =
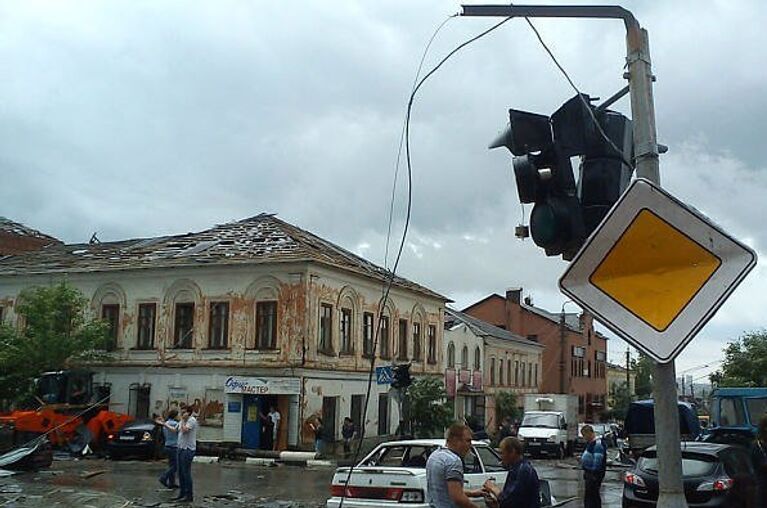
<point x="241" y="317"/>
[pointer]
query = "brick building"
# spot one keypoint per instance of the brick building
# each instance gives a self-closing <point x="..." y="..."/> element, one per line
<point x="574" y="355"/>
<point x="16" y="238"/>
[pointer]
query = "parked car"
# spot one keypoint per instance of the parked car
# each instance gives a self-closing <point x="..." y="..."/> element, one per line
<point x="714" y="475"/>
<point x="139" y="438"/>
<point x="395" y="473"/>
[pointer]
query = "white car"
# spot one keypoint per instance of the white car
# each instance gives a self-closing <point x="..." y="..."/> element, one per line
<point x="394" y="473"/>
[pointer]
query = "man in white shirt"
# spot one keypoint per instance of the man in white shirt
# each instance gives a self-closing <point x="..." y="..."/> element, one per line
<point x="274" y="415"/>
<point x="187" y="445"/>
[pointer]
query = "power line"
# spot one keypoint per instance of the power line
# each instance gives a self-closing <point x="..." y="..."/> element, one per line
<point x="580" y="95"/>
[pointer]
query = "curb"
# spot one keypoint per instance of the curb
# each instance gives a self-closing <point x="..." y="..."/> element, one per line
<point x="202" y="459"/>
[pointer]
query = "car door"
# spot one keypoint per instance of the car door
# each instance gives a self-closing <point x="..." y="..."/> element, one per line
<point x="473" y="474"/>
<point x="493" y="468"/>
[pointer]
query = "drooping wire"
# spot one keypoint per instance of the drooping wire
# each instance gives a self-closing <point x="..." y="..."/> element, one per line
<point x="402" y="139"/>
<point x="390" y="281"/>
<point x="577" y="91"/>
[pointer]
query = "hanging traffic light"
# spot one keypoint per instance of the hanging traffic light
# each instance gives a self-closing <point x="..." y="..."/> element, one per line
<point x="401" y="376"/>
<point x="564" y="213"/>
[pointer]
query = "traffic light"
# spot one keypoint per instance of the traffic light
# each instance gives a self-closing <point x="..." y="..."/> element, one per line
<point x="564" y="213"/>
<point x="401" y="376"/>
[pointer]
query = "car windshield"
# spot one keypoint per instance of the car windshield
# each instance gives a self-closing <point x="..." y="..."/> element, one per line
<point x="490" y="459"/>
<point x="692" y="466"/>
<point x="548" y="421"/>
<point x="756" y="409"/>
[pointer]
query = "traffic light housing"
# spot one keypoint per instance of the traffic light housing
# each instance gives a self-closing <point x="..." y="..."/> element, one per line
<point x="565" y="213"/>
<point x="401" y="376"/>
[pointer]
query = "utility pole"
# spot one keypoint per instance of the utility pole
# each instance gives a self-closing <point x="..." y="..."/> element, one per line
<point x="562" y="343"/>
<point x="628" y="373"/>
<point x="639" y="75"/>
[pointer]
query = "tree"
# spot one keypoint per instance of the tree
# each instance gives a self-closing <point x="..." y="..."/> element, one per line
<point x="745" y="361"/>
<point x="506" y="405"/>
<point x="643" y="383"/>
<point x="430" y="411"/>
<point x="621" y="399"/>
<point x="56" y="334"/>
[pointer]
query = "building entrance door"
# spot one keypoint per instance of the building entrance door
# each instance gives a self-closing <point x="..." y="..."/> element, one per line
<point x="251" y="421"/>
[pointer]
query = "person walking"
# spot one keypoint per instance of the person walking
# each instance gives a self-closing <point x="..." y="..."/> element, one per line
<point x="275" y="417"/>
<point x="187" y="446"/>
<point x="444" y="471"/>
<point x="594" y="465"/>
<point x="318" y="430"/>
<point x="170" y="432"/>
<point x="759" y="461"/>
<point x="521" y="489"/>
<point x="348" y="431"/>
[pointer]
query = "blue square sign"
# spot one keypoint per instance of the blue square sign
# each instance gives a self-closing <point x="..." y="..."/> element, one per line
<point x="384" y="375"/>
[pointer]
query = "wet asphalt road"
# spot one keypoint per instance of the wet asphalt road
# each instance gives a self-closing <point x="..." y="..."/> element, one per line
<point x="100" y="483"/>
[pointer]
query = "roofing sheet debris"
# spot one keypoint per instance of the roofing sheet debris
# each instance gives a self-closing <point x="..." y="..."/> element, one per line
<point x="260" y="239"/>
<point x="18" y="229"/>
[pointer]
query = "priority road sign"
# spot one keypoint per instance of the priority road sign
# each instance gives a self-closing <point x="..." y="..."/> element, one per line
<point x="656" y="270"/>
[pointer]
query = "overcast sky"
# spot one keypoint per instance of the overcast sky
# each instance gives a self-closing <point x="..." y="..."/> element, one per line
<point x="136" y="119"/>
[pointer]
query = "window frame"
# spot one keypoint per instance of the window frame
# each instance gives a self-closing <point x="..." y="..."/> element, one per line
<point x="325" y="329"/>
<point x="139" y="326"/>
<point x="346" y="327"/>
<point x="402" y="336"/>
<point x="219" y="314"/>
<point x="177" y="342"/>
<point x="368" y="334"/>
<point x="432" y="337"/>
<point x="261" y="318"/>
<point x="113" y="331"/>
<point x="450" y="355"/>
<point x="384" y="337"/>
<point x="417" y="349"/>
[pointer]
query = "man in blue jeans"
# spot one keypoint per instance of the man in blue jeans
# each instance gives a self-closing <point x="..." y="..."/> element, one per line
<point x="187" y="445"/>
<point x="170" y="431"/>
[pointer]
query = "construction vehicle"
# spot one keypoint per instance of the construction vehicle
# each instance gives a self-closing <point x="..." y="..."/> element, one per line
<point x="69" y="413"/>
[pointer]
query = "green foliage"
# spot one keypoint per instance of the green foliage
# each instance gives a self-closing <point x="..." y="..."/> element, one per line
<point x="621" y="400"/>
<point x="506" y="405"/>
<point x="643" y="384"/>
<point x="56" y="335"/>
<point x="745" y="361"/>
<point x="430" y="411"/>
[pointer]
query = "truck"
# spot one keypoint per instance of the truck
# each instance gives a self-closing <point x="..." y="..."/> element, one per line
<point x="639" y="426"/>
<point x="549" y="425"/>
<point x="735" y="414"/>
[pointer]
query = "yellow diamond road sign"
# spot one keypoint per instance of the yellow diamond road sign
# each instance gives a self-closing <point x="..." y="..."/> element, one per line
<point x="655" y="271"/>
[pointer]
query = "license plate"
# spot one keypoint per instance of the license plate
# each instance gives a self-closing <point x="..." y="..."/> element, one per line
<point x="126" y="438"/>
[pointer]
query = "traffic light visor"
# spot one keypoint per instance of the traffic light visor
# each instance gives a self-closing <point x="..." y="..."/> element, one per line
<point x="526" y="133"/>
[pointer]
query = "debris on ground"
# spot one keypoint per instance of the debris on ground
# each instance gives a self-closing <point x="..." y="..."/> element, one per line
<point x="91" y="474"/>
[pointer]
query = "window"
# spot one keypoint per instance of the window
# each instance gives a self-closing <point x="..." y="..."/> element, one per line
<point x="530" y="374"/>
<point x="218" y="328"/>
<point x="346" y="331"/>
<point x="731" y="412"/>
<point x="451" y="355"/>
<point x="535" y="375"/>
<point x="138" y="400"/>
<point x="508" y="372"/>
<point x="417" y="342"/>
<point x="500" y="372"/>
<point x="477" y="358"/>
<point x="471" y="464"/>
<point x="492" y="371"/>
<point x="330" y="417"/>
<point x="383" y="339"/>
<point x="367" y="334"/>
<point x="383" y="414"/>
<point x="465" y="357"/>
<point x="490" y="459"/>
<point x="184" y="325"/>
<point x="516" y="372"/>
<point x="402" y="353"/>
<point x="581" y="404"/>
<point x="522" y="367"/>
<point x="432" y="344"/>
<point x="326" y="328"/>
<point x="147" y="316"/>
<point x="2" y="314"/>
<point x="756" y="408"/>
<point x="588" y="368"/>
<point x="533" y="338"/>
<point x="266" y="325"/>
<point x="111" y="314"/>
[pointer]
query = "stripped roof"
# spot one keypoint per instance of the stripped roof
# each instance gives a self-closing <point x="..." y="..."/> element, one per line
<point x="260" y="239"/>
<point x="484" y="329"/>
<point x="18" y="229"/>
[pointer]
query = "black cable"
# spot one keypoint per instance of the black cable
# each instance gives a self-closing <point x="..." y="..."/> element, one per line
<point x="574" y="87"/>
<point x="390" y="282"/>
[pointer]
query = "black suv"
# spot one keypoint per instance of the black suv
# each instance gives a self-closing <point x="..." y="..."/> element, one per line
<point x="714" y="475"/>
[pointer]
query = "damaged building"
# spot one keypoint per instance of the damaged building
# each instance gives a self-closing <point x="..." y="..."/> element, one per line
<point x="241" y="317"/>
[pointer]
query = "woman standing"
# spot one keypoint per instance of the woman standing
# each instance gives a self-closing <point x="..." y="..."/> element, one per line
<point x="170" y="432"/>
<point x="318" y="430"/>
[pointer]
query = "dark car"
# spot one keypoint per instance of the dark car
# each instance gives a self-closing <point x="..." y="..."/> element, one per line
<point x="714" y="475"/>
<point x="139" y="438"/>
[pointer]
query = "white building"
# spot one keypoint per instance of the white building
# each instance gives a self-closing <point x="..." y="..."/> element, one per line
<point x="482" y="360"/>
<point x="241" y="317"/>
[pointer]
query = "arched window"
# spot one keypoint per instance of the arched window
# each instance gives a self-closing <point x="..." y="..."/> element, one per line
<point x="492" y="371"/>
<point x="465" y="357"/>
<point x="477" y="359"/>
<point x="451" y="355"/>
<point x="508" y="372"/>
<point x="500" y="371"/>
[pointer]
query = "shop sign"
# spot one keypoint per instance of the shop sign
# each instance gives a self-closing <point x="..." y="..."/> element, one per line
<point x="263" y="385"/>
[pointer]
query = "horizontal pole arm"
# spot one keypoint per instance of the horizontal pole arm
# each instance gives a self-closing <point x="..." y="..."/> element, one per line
<point x="552" y="11"/>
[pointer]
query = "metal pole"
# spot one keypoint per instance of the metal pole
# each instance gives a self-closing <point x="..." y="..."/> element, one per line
<point x="667" y="436"/>
<point x="646" y="155"/>
<point x="628" y="373"/>
<point x="562" y="351"/>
